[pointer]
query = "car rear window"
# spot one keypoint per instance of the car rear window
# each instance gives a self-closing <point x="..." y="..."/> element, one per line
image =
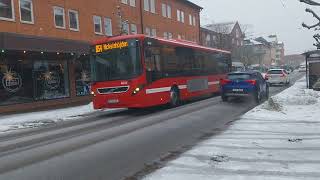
<point x="239" y="76"/>
<point x="275" y="72"/>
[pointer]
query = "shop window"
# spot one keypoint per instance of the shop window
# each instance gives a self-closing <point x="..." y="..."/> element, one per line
<point x="15" y="81"/>
<point x="83" y="76"/>
<point x="6" y="10"/>
<point x="74" y="20"/>
<point x="51" y="80"/>
<point x="26" y="11"/>
<point x="59" y="19"/>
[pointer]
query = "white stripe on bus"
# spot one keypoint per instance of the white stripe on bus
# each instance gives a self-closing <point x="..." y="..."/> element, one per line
<point x="158" y="90"/>
<point x="182" y="86"/>
<point x="214" y="83"/>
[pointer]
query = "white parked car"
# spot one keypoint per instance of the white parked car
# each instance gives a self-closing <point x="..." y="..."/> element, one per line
<point x="278" y="76"/>
<point x="302" y="68"/>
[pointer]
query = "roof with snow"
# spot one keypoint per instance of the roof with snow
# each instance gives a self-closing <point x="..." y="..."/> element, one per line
<point x="224" y="28"/>
<point x="192" y="4"/>
<point x="249" y="42"/>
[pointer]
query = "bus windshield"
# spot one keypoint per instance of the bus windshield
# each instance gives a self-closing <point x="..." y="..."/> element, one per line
<point x="116" y="62"/>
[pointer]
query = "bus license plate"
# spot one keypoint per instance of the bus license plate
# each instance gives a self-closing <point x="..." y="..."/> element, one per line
<point x="237" y="90"/>
<point x="113" y="101"/>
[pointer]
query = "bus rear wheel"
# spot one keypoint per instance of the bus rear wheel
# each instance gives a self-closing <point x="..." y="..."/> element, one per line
<point x="174" y="97"/>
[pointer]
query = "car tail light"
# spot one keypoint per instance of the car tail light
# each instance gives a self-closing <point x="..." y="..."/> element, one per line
<point x="282" y="75"/>
<point x="253" y="82"/>
<point x="224" y="81"/>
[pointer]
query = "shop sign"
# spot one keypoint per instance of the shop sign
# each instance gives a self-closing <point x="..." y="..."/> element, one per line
<point x="11" y="81"/>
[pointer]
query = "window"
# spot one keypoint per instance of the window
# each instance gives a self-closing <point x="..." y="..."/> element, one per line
<point x="73" y="20"/>
<point x="6" y="10"/>
<point x="146" y="5"/>
<point x="153" y="33"/>
<point x="164" y="10"/>
<point x="26" y="11"/>
<point x="82" y="76"/>
<point x="125" y="28"/>
<point x="117" y="64"/>
<point x="108" y="26"/>
<point x="165" y="35"/>
<point x="149" y="5"/>
<point x="169" y="35"/>
<point x="148" y="31"/>
<point x="97" y="24"/>
<point x="180" y="16"/>
<point x="124" y="1"/>
<point x="59" y="19"/>
<point x="134" y="29"/>
<point x="51" y="80"/>
<point x="133" y="3"/>
<point x="190" y="19"/>
<point x="16" y="81"/>
<point x="194" y="20"/>
<point x="169" y="11"/>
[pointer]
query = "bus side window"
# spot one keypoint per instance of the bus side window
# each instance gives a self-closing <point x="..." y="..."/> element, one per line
<point x="153" y="62"/>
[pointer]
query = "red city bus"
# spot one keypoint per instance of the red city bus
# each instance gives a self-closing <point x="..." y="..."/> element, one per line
<point x="137" y="71"/>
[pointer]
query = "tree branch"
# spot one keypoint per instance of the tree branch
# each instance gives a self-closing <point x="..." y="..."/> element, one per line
<point x="314" y="15"/>
<point x="310" y="2"/>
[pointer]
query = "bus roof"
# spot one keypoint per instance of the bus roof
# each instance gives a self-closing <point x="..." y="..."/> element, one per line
<point x="162" y="40"/>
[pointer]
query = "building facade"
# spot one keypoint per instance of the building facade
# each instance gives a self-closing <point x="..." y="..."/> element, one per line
<point x="44" y="45"/>
<point x="227" y="36"/>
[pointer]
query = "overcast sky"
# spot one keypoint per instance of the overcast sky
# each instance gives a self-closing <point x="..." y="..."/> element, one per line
<point x="265" y="17"/>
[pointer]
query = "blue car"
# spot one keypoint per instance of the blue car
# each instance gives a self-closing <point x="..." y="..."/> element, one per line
<point x="244" y="84"/>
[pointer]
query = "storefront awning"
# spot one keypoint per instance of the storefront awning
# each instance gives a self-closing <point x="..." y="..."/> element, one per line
<point x="12" y="41"/>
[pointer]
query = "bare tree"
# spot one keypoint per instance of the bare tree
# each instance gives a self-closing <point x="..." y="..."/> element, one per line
<point x="315" y="26"/>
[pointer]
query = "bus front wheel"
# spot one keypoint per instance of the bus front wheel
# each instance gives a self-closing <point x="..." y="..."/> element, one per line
<point x="174" y="97"/>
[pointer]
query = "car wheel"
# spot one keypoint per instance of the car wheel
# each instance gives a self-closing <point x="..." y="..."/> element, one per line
<point x="224" y="98"/>
<point x="174" y="97"/>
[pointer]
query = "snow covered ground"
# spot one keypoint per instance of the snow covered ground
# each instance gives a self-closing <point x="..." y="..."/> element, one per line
<point x="278" y="140"/>
<point x="36" y="119"/>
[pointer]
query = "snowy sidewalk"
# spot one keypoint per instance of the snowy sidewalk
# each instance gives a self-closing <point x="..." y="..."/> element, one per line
<point x="278" y="140"/>
<point x="36" y="119"/>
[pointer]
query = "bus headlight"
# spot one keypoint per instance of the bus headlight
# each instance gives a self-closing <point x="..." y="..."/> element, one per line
<point x="93" y="93"/>
<point x="137" y="90"/>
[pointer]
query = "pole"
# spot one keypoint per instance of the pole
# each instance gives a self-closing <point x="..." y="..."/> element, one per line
<point x="141" y="16"/>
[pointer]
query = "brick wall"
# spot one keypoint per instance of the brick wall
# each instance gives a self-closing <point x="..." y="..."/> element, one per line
<point x="44" y="19"/>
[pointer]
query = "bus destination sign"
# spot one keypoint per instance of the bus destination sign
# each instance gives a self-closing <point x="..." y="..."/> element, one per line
<point x="110" y="46"/>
